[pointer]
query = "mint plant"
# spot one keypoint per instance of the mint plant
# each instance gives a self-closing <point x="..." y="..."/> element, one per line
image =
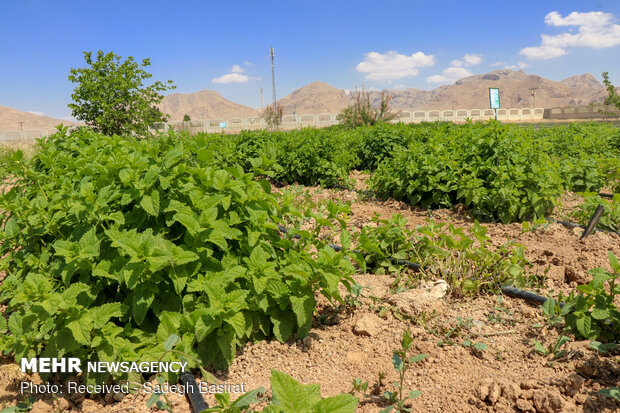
<point x="288" y="396"/>
<point x="112" y="245"/>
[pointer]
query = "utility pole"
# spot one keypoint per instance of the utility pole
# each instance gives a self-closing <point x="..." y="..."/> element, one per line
<point x="261" y="98"/>
<point x="533" y="90"/>
<point x="273" y="77"/>
<point x="21" y="129"/>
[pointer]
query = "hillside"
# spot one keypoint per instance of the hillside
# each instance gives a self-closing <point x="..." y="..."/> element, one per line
<point x="516" y="89"/>
<point x="206" y="104"/>
<point x="315" y="98"/>
<point x="10" y="119"/>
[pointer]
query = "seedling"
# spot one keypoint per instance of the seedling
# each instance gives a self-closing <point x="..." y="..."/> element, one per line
<point x="402" y="362"/>
<point x="359" y="386"/>
<point x="554" y="349"/>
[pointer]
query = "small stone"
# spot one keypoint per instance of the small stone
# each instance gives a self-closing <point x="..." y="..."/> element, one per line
<point x="64" y="404"/>
<point x="527" y="385"/>
<point x="548" y="253"/>
<point x="307" y="341"/>
<point x="511" y="391"/>
<point x="575" y="276"/>
<point x="40" y="407"/>
<point x="548" y="401"/>
<point x="439" y="289"/>
<point x="482" y="391"/>
<point x="494" y="392"/>
<point x="109" y="398"/>
<point x="524" y="405"/>
<point x="367" y="325"/>
<point x="118" y="396"/>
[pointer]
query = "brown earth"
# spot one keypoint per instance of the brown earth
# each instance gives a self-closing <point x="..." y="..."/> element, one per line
<point x="356" y="340"/>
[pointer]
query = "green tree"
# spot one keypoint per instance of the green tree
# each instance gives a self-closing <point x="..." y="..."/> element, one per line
<point x="112" y="98"/>
<point x="612" y="98"/>
<point x="186" y="118"/>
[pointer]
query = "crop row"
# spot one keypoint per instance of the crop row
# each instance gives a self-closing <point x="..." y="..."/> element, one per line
<point x="502" y="172"/>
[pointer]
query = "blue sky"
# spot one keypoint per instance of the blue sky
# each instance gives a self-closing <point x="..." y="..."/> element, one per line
<point x="225" y="45"/>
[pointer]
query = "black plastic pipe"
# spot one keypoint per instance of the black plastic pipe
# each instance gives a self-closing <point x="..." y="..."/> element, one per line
<point x="193" y="394"/>
<point x="596" y="217"/>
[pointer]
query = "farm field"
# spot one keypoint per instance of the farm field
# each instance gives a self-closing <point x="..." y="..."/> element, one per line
<point x="115" y="249"/>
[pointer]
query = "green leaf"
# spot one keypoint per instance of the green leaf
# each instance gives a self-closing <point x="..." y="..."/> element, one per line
<point x="342" y="403"/>
<point x="290" y="395"/>
<point x="171" y="341"/>
<point x="81" y="329"/>
<point x="150" y="203"/>
<point x="283" y="323"/>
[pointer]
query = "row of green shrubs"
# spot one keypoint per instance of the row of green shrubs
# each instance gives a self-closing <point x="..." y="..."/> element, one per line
<point x="111" y="245"/>
<point x="502" y="172"/>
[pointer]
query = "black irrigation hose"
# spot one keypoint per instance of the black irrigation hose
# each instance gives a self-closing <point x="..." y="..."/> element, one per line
<point x="573" y="225"/>
<point x="193" y="393"/>
<point x="606" y="195"/>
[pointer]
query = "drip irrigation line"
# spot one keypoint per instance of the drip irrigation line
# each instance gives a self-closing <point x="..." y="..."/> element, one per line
<point x="573" y="225"/>
<point x="196" y="401"/>
<point x="606" y="195"/>
<point x="507" y="290"/>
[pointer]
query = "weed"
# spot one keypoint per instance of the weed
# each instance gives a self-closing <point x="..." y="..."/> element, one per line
<point x="402" y="363"/>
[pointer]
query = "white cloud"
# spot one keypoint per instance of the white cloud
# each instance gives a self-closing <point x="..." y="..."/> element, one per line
<point x="596" y="30"/>
<point x="393" y="65"/>
<point x="231" y="78"/>
<point x="520" y="65"/>
<point x="37" y="113"/>
<point x="457" y="69"/>
<point x="470" y="59"/>
<point x="449" y="75"/>
<point x="498" y="64"/>
<point x="248" y="63"/>
<point x="235" y="76"/>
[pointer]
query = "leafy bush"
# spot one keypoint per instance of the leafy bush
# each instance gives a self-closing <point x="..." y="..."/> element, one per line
<point x="111" y="97"/>
<point x="611" y="217"/>
<point x="497" y="170"/>
<point x="362" y="113"/>
<point x="111" y="246"/>
<point x="592" y="314"/>
<point x="460" y="257"/>
<point x="313" y="156"/>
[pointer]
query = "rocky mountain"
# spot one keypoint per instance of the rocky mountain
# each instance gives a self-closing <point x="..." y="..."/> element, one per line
<point x="315" y="98"/>
<point x="206" y="104"/>
<point x="10" y="120"/>
<point x="517" y="90"/>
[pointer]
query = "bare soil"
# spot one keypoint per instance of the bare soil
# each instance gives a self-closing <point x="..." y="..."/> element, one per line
<point x="357" y="340"/>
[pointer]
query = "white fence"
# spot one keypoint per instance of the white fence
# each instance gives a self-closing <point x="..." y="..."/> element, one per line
<point x="233" y="125"/>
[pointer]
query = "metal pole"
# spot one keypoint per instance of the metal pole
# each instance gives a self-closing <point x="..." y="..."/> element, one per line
<point x="21" y="129"/>
<point x="273" y="77"/>
<point x="261" y="98"/>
